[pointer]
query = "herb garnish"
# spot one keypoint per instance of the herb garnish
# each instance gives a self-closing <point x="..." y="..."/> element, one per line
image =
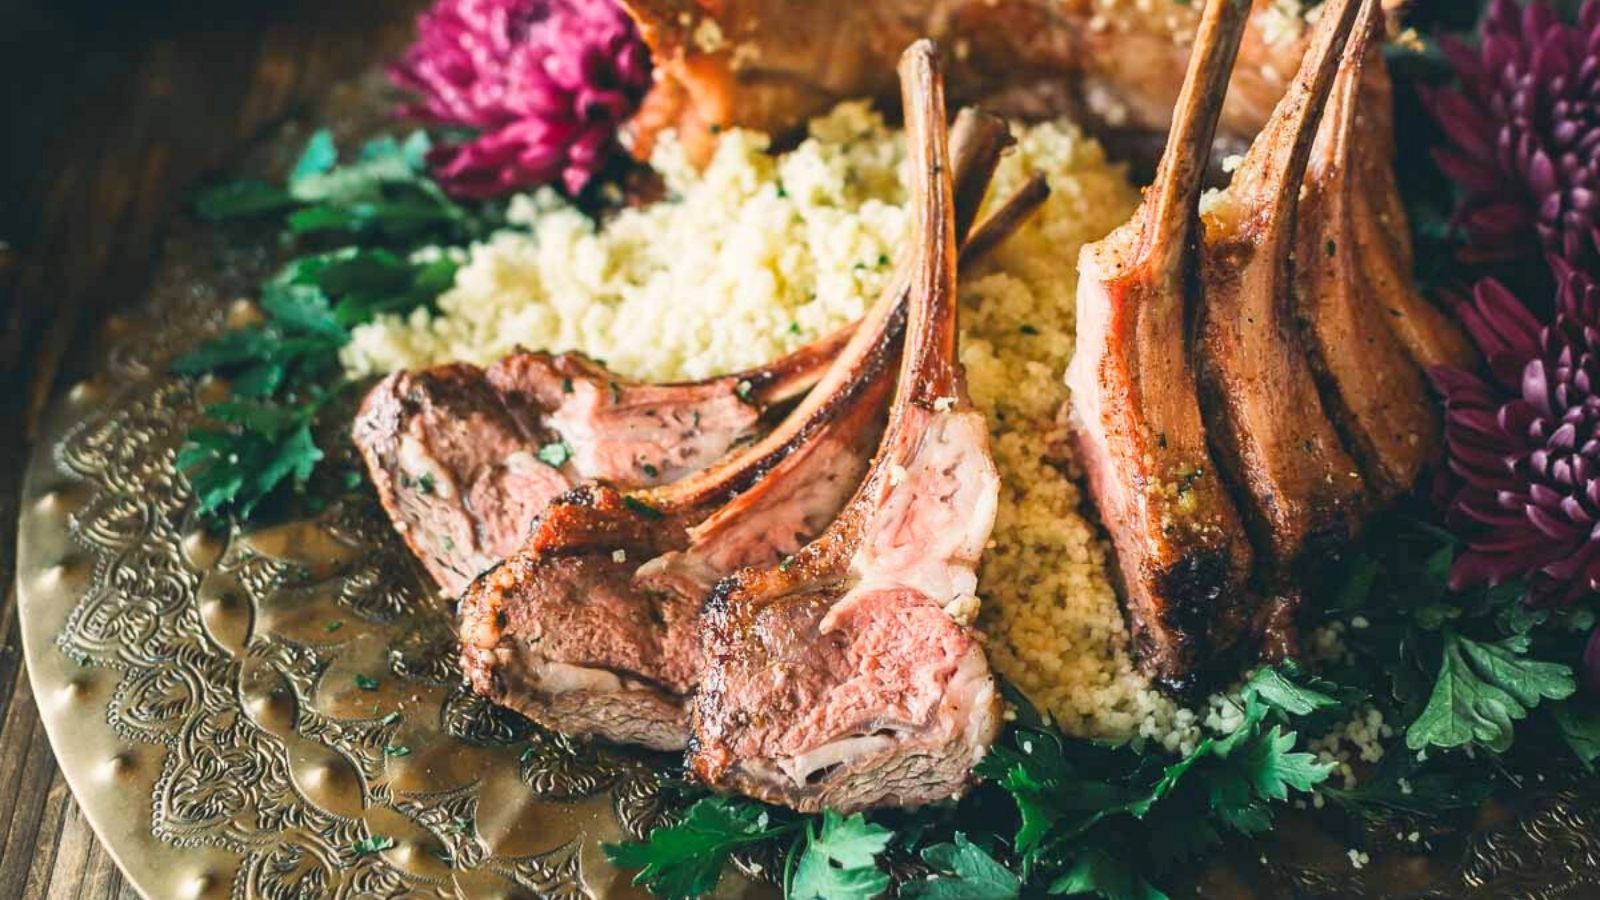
<point x="840" y="859"/>
<point x="641" y="507"/>
<point x="261" y="443"/>
<point x="555" y="454"/>
<point x="370" y="845"/>
<point x="686" y="860"/>
<point x="385" y="191"/>
<point x="963" y="870"/>
<point x="366" y="682"/>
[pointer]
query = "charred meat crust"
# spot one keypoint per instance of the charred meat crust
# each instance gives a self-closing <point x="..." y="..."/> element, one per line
<point x="1136" y="410"/>
<point x="621" y="546"/>
<point x="1299" y="489"/>
<point x="839" y="678"/>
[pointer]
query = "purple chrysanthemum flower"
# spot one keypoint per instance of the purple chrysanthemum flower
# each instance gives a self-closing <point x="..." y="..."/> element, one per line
<point x="1524" y="132"/>
<point x="544" y="83"/>
<point x="1524" y="444"/>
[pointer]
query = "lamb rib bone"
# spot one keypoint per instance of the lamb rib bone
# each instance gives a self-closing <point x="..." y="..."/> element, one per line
<point x="1181" y="550"/>
<point x="839" y="678"/>
<point x="1301" y="493"/>
<point x="455" y="451"/>
<point x="528" y="626"/>
<point x="1369" y="384"/>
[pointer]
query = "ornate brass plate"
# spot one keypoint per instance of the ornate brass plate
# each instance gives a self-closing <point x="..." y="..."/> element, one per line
<point x="201" y="689"/>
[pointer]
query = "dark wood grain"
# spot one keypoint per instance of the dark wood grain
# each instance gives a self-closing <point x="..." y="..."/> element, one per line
<point x="110" y="111"/>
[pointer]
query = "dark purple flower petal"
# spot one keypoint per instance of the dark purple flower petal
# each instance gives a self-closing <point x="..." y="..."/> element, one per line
<point x="1523" y="133"/>
<point x="1523" y="448"/>
<point x="544" y="83"/>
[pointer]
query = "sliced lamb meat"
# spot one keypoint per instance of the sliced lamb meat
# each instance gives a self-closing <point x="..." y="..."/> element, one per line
<point x="1370" y="386"/>
<point x="842" y="677"/>
<point x="1301" y="493"/>
<point x="1181" y="549"/>
<point x="457" y="473"/>
<point x="652" y="555"/>
<point x="464" y="458"/>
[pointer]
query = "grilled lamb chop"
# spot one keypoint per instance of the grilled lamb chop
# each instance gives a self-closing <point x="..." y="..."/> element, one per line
<point x="463" y="458"/>
<point x="841" y="677"/>
<point x="591" y="627"/>
<point x="1370" y="386"/>
<point x="1300" y="491"/>
<point x="1180" y="547"/>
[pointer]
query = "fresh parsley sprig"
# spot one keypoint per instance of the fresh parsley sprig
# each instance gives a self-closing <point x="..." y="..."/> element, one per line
<point x="1456" y="670"/>
<point x="384" y="192"/>
<point x="1114" y="821"/>
<point x="252" y="450"/>
<point x="828" y="856"/>
<point x="686" y="859"/>
<point x="261" y="445"/>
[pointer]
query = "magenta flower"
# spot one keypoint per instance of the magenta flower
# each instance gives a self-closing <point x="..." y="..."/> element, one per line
<point x="544" y="84"/>
<point x="1523" y="445"/>
<point x="1524" y="133"/>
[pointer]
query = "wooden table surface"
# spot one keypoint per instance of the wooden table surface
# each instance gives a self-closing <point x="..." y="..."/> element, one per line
<point x="110" y="110"/>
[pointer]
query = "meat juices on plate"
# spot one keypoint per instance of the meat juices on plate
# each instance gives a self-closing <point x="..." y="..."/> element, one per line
<point x="1180" y="545"/>
<point x="841" y="677"/>
<point x="591" y="627"/>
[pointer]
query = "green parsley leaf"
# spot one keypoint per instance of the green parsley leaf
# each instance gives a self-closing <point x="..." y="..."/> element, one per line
<point x="963" y="871"/>
<point x="641" y="507"/>
<point x="370" y="845"/>
<point x="1276" y="689"/>
<point x="555" y="454"/>
<point x="1482" y="688"/>
<point x="240" y="200"/>
<point x="260" y="448"/>
<point x="396" y="750"/>
<point x="1098" y="873"/>
<point x="840" y="860"/>
<point x="366" y="682"/>
<point x="1578" y="721"/>
<point x="311" y="304"/>
<point x="317" y="158"/>
<point x="1400" y="783"/>
<point x="1052" y="796"/>
<point x="686" y="860"/>
<point x="1272" y="770"/>
<point x="261" y="360"/>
